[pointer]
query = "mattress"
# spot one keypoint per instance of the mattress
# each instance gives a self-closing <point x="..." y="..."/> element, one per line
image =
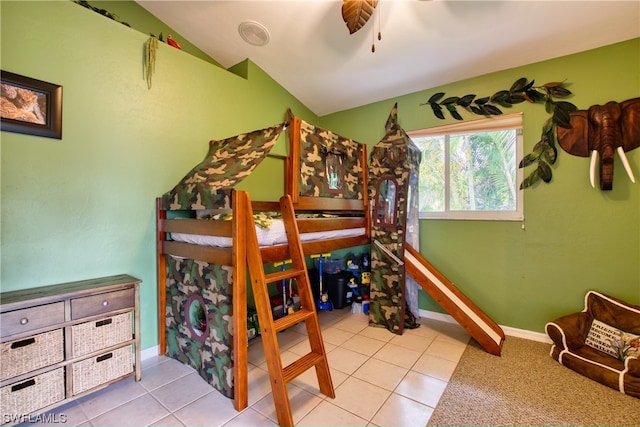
<point x="274" y="235"/>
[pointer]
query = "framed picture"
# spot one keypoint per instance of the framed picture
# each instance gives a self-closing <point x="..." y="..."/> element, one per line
<point x="30" y="106"/>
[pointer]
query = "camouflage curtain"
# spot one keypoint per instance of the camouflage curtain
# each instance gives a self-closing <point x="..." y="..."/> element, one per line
<point x="394" y="159"/>
<point x="210" y="354"/>
<point x="316" y="144"/>
<point x="210" y="183"/>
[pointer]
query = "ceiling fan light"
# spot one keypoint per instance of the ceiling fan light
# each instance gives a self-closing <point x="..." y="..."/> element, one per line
<point x="254" y="33"/>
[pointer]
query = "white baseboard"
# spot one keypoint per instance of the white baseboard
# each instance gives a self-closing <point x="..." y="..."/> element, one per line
<point x="528" y="335"/>
<point x="148" y="353"/>
<point x="442" y="317"/>
<point x="508" y="331"/>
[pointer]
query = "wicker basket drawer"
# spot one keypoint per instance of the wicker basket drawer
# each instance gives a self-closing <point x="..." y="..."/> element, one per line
<point x="102" y="303"/>
<point x="99" y="370"/>
<point x="32" y="394"/>
<point x="29" y="354"/>
<point x="92" y="336"/>
<point x="28" y="319"/>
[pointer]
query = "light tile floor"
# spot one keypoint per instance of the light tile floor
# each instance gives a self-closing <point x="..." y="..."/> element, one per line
<point x="380" y="379"/>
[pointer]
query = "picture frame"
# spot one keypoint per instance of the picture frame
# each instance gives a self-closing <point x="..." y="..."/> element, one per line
<point x="30" y="106"/>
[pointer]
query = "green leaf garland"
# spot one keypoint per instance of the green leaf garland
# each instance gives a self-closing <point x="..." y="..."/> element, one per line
<point x="544" y="151"/>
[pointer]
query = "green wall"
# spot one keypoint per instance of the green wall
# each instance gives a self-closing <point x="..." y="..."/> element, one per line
<point x="84" y="206"/>
<point x="575" y="238"/>
<point x="140" y="19"/>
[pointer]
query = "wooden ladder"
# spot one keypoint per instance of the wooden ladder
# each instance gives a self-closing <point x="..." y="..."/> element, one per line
<point x="269" y="328"/>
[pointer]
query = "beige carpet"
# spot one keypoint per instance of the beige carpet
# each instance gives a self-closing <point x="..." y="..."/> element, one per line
<point x="525" y="387"/>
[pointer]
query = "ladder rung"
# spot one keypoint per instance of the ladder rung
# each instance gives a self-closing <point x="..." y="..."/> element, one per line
<point x="283" y="275"/>
<point x="301" y="365"/>
<point x="294" y="318"/>
<point x="317" y="358"/>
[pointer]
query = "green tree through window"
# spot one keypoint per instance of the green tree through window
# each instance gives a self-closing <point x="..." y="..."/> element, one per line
<point x="470" y="170"/>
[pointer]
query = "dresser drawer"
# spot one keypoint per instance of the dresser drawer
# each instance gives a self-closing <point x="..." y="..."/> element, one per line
<point x="28" y="354"/>
<point x="93" y="372"/>
<point x="32" y="394"/>
<point x="93" y="336"/>
<point x="63" y="341"/>
<point x="102" y="303"/>
<point x="28" y="319"/>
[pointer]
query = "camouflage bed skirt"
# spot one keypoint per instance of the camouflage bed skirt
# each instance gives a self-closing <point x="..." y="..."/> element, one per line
<point x="199" y="319"/>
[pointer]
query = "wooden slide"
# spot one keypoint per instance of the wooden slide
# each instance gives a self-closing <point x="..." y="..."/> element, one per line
<point x="484" y="330"/>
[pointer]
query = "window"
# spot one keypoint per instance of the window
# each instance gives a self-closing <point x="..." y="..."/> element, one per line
<point x="196" y="317"/>
<point x="386" y="203"/>
<point x="334" y="172"/>
<point x="470" y="170"/>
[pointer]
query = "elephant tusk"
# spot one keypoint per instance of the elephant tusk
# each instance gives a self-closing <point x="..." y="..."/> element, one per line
<point x="592" y="168"/>
<point x="625" y="163"/>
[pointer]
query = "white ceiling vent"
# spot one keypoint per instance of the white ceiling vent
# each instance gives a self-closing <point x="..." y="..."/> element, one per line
<point x="254" y="33"/>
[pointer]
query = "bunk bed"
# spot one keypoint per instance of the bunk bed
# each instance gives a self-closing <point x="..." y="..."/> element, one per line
<point x="202" y="285"/>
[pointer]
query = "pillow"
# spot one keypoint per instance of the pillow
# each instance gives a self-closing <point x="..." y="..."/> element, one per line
<point x="613" y="341"/>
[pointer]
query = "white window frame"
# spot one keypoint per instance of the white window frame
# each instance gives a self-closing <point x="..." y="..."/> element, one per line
<point x="510" y="121"/>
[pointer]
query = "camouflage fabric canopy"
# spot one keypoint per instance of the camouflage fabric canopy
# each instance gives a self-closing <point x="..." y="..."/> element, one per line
<point x="209" y="184"/>
<point x="317" y="149"/>
<point x="393" y="166"/>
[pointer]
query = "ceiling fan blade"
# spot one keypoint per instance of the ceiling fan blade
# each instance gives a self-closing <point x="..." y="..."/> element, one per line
<point x="356" y="13"/>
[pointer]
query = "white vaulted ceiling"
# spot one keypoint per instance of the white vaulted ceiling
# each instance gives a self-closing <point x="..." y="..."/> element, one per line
<point x="424" y="43"/>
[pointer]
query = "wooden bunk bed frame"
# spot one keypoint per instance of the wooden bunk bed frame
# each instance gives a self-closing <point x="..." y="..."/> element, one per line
<point x="236" y="255"/>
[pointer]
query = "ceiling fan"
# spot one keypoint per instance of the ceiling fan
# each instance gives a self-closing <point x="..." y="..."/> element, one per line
<point x="356" y="13"/>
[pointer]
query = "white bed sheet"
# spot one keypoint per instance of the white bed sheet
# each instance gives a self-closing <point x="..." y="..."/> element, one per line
<point x="275" y="235"/>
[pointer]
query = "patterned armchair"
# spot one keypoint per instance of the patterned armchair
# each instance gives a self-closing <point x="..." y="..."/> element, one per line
<point x="602" y="342"/>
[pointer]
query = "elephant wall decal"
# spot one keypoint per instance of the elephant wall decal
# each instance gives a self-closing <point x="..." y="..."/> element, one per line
<point x="600" y="131"/>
